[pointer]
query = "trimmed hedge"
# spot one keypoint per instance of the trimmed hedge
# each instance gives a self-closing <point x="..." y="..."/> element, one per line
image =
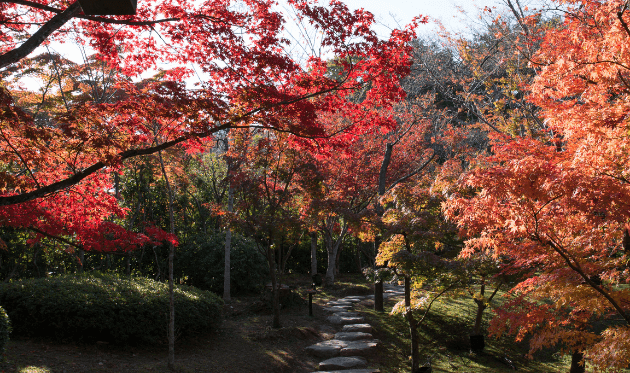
<point x="201" y="261"/>
<point x="102" y="307"/>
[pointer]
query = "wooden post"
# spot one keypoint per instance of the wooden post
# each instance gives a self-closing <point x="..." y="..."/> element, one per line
<point x="378" y="296"/>
<point x="310" y="304"/>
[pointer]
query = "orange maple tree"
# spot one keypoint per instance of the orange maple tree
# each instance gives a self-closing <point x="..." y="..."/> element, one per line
<point x="559" y="207"/>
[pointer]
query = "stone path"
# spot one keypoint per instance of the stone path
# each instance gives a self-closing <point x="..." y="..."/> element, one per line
<point x="352" y="344"/>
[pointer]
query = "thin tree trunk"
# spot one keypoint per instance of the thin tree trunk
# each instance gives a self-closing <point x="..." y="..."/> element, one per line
<point x="578" y="365"/>
<point x="128" y="265"/>
<point x="407" y="291"/>
<point x="332" y="247"/>
<point x="275" y="294"/>
<point x="415" y="341"/>
<point x="313" y="253"/>
<point x="81" y="260"/>
<point x="481" y="306"/>
<point x="171" y="257"/>
<point x="228" y="247"/>
<point x="378" y="282"/>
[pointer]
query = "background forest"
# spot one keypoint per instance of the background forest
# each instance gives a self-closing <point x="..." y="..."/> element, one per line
<point x="464" y="164"/>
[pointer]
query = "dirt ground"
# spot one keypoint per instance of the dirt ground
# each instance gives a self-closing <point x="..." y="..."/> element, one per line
<point x="244" y="343"/>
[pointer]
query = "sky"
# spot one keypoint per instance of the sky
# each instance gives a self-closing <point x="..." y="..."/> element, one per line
<point x="390" y="14"/>
<point x="397" y="13"/>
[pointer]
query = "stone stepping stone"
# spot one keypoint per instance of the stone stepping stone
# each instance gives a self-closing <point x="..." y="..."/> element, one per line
<point x="359" y="348"/>
<point x="389" y="295"/>
<point x="340" y="303"/>
<point x="347" y="362"/>
<point x="336" y="309"/>
<point x="327" y="349"/>
<point x="366" y="328"/>
<point x="352" y="371"/>
<point x="347" y="314"/>
<point x="351" y="299"/>
<point x="352" y="336"/>
<point x="344" y="320"/>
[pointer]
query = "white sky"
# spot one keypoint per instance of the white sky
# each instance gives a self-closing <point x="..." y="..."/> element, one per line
<point x="389" y="14"/>
<point x="397" y="13"/>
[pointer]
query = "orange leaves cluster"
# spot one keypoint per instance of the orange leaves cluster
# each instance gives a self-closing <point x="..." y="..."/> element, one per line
<point x="557" y="209"/>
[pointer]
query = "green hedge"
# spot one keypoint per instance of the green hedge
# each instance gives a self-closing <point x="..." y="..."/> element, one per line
<point x="102" y="307"/>
<point x="5" y="330"/>
<point x="201" y="261"/>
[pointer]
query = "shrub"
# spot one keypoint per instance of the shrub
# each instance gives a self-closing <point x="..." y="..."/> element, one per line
<point x="5" y="330"/>
<point x="94" y="306"/>
<point x="201" y="262"/>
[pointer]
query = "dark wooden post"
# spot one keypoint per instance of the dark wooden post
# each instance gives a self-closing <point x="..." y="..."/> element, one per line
<point x="378" y="296"/>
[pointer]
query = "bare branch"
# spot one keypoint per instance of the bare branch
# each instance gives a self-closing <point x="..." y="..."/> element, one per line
<point x="38" y="37"/>
<point x="94" y="18"/>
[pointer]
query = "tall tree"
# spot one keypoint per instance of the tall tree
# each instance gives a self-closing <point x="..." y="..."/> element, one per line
<point x="560" y="205"/>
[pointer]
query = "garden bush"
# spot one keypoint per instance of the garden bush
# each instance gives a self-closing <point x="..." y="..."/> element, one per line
<point x="200" y="261"/>
<point x="5" y="330"/>
<point x="102" y="307"/>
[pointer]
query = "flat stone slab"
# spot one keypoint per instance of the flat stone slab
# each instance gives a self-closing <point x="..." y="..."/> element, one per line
<point x="340" y="303"/>
<point x="359" y="348"/>
<point x="336" y="309"/>
<point x="353" y="299"/>
<point x="342" y="320"/>
<point x="351" y="371"/>
<point x="348" y="362"/>
<point x="347" y="314"/>
<point x="352" y="336"/>
<point x="328" y="349"/>
<point x="366" y="328"/>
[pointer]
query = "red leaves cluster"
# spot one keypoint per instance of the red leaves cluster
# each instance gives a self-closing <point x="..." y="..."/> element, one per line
<point x="56" y="170"/>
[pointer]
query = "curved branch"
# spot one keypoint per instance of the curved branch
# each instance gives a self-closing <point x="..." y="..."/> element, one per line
<point x="94" y="18"/>
<point x="77" y="177"/>
<point x="38" y="38"/>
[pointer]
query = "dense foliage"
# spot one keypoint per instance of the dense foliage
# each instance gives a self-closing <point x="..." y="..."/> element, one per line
<point x="200" y="263"/>
<point x="5" y="330"/>
<point x="103" y="307"/>
<point x="498" y="157"/>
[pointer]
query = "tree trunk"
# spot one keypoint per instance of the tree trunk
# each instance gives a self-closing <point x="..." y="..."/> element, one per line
<point x="357" y="257"/>
<point x="578" y="365"/>
<point x="378" y="285"/>
<point x="481" y="306"/>
<point x="171" y="257"/>
<point x="407" y="291"/>
<point x="81" y="260"/>
<point x="228" y="246"/>
<point x="378" y="295"/>
<point x="415" y="341"/>
<point x="338" y="259"/>
<point x="330" y="271"/>
<point x="128" y="265"/>
<point x="275" y="293"/>
<point x="313" y="253"/>
<point x="332" y="247"/>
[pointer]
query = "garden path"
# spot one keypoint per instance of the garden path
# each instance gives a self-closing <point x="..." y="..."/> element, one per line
<point x="349" y="348"/>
